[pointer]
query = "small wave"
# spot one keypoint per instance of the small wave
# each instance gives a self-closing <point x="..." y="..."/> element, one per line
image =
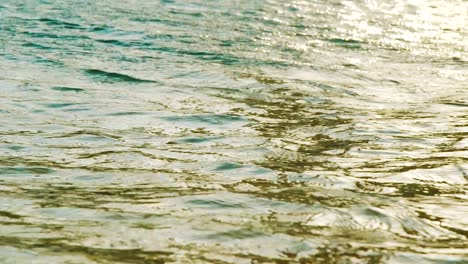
<point x="105" y="76"/>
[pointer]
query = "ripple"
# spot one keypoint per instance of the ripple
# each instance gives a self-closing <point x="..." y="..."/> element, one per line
<point x="59" y="23"/>
<point x="68" y="89"/>
<point x="105" y="76"/>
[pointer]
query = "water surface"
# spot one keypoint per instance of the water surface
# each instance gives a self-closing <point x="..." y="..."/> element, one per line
<point x="262" y="131"/>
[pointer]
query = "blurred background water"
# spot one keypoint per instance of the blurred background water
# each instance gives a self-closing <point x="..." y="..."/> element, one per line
<point x="260" y="131"/>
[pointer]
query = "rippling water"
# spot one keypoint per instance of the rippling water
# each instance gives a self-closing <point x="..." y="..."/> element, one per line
<point x="261" y="131"/>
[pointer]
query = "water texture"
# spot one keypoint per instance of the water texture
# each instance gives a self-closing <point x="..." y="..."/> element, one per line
<point x="260" y="131"/>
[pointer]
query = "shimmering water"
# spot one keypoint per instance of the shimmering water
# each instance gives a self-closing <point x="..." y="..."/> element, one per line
<point x="260" y="131"/>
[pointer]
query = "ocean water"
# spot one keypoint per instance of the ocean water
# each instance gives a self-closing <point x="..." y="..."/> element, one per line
<point x="260" y="131"/>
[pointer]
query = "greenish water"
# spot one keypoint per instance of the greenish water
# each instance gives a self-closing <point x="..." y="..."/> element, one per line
<point x="261" y="131"/>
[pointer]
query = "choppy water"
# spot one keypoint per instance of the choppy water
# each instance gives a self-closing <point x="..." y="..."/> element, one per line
<point x="261" y="131"/>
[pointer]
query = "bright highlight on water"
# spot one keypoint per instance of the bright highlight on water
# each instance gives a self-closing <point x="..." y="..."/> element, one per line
<point x="263" y="131"/>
